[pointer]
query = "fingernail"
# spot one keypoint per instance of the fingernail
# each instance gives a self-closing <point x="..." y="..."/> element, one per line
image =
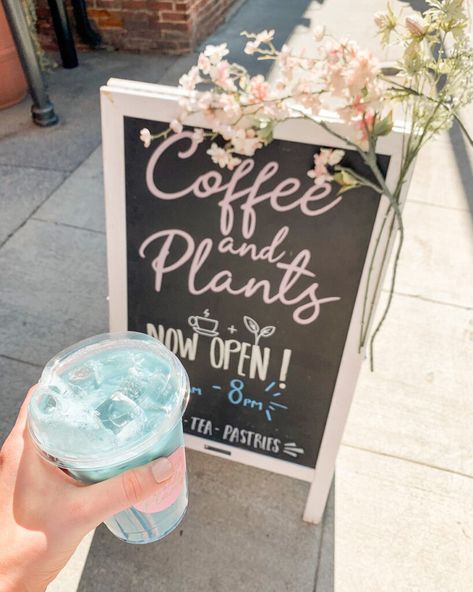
<point x="162" y="469"/>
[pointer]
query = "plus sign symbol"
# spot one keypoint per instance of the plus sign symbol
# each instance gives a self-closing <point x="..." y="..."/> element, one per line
<point x="232" y="329"/>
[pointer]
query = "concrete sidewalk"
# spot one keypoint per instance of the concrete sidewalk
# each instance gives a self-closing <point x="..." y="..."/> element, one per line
<point x="403" y="517"/>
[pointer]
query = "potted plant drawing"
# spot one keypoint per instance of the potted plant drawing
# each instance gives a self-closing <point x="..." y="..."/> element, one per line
<point x="253" y="327"/>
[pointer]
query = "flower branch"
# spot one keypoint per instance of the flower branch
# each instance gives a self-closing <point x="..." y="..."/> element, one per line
<point x="432" y="82"/>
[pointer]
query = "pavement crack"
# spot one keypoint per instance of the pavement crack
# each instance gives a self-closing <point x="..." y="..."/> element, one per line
<point x="36" y="168"/>
<point x="56" y="223"/>
<point x="441" y="206"/>
<point x="409" y="460"/>
<point x="33" y="212"/>
<point x="13" y="359"/>
<point x="431" y="300"/>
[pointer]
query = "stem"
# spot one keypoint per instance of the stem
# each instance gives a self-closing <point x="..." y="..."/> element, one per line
<point x="370" y="271"/>
<point x="391" y="293"/>
<point x="378" y="281"/>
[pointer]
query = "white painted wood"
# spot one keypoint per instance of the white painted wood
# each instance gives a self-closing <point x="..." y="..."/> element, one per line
<point x="122" y="98"/>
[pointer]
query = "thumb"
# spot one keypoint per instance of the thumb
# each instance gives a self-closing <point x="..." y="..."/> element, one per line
<point x="109" y="497"/>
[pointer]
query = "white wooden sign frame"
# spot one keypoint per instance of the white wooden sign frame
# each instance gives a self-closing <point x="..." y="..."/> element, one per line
<point x="122" y="98"/>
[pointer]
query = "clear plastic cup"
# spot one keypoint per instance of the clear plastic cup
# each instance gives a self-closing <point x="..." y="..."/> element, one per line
<point x="107" y="404"/>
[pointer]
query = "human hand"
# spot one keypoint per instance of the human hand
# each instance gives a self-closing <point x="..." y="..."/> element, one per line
<point x="45" y="513"/>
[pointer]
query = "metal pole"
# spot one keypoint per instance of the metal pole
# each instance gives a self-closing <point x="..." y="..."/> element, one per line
<point x="83" y="26"/>
<point x="64" y="37"/>
<point x="42" y="108"/>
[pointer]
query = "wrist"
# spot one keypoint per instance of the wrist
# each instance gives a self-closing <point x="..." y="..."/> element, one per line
<point x="14" y="582"/>
<point x="17" y="585"/>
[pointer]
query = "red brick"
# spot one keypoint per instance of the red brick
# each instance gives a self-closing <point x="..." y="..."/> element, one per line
<point x="169" y="26"/>
<point x="185" y="27"/>
<point x="173" y="17"/>
<point x="162" y="5"/>
<point x="135" y="4"/>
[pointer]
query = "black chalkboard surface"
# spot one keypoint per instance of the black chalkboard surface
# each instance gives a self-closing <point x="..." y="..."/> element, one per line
<point x="250" y="276"/>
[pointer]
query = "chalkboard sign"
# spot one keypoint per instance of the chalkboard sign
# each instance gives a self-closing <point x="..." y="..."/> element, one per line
<point x="252" y="277"/>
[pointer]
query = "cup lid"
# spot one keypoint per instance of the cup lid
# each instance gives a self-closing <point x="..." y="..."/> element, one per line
<point x="106" y="400"/>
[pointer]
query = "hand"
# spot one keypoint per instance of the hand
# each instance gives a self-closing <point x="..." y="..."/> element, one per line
<point x="45" y="513"/>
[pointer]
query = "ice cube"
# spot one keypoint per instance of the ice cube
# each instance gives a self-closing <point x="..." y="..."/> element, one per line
<point x="132" y="388"/>
<point x="117" y="412"/>
<point x="47" y="402"/>
<point x="88" y="375"/>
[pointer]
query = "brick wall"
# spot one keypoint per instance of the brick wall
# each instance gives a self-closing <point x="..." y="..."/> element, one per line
<point x="167" y="26"/>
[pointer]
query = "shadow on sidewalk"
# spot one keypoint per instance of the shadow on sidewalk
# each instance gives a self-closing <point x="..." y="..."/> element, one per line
<point x="243" y="532"/>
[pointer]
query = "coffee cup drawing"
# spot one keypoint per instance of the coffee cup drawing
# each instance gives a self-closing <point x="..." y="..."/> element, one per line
<point x="204" y="325"/>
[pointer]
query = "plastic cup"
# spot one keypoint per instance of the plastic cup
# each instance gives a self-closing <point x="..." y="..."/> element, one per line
<point x="107" y="404"/>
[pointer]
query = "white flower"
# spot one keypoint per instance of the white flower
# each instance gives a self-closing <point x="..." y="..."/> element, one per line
<point x="223" y="158"/>
<point x="326" y="156"/>
<point x="246" y="141"/>
<point x="319" y="32"/>
<point x="221" y="75"/>
<point x="203" y="63"/>
<point x="263" y="37"/>
<point x="251" y="47"/>
<point x="188" y="81"/>
<point x="176" y="126"/>
<point x="329" y="156"/>
<point x="198" y="135"/>
<point x="215" y="53"/>
<point x="229" y="105"/>
<point x="145" y="137"/>
<point x="335" y="157"/>
<point x="205" y="101"/>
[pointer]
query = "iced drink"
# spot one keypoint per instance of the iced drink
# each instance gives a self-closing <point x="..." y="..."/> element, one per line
<point x="110" y="403"/>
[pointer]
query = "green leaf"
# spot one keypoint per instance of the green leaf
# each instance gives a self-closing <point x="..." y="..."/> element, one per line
<point x="345" y="180"/>
<point x="384" y="126"/>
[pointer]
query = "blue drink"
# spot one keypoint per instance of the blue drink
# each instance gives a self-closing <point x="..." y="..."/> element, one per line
<point x="110" y="403"/>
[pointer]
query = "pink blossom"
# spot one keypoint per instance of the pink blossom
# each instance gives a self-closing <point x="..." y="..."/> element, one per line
<point x="276" y="110"/>
<point x="226" y="130"/>
<point x="362" y="70"/>
<point x="246" y="141"/>
<point x="176" y="126"/>
<point x="326" y="156"/>
<point x="229" y="105"/>
<point x="203" y="63"/>
<point x="365" y="126"/>
<point x="304" y="93"/>
<point x="319" y="32"/>
<point x="145" y="137"/>
<point x="251" y="47"/>
<point x="336" y="79"/>
<point x="263" y="37"/>
<point x="215" y="53"/>
<point x="222" y="157"/>
<point x="205" y="101"/>
<point x="258" y="89"/>
<point x="191" y="79"/>
<point x="198" y="135"/>
<point x="320" y="174"/>
<point x="221" y="76"/>
<point x="287" y="62"/>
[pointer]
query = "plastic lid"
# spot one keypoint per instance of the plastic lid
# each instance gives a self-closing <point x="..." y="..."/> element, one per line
<point x="107" y="400"/>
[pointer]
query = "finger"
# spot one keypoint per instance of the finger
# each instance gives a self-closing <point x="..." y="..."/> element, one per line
<point x="23" y="413"/>
<point x="102" y="500"/>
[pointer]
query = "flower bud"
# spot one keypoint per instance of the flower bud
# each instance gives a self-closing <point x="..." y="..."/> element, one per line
<point x="381" y="19"/>
<point x="415" y="25"/>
